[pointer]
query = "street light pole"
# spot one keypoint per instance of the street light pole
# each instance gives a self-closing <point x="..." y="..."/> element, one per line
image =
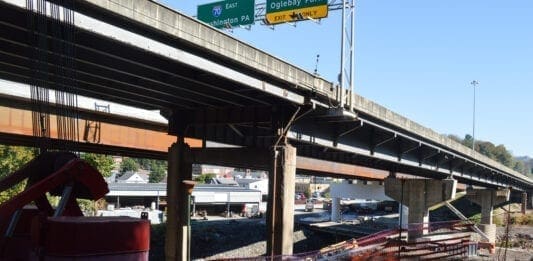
<point x="474" y="83"/>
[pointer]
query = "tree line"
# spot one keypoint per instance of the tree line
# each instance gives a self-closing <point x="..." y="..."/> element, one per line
<point x="498" y="153"/>
<point x="157" y="168"/>
<point x="13" y="158"/>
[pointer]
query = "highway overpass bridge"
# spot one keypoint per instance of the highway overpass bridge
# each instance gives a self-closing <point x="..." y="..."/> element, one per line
<point x="213" y="87"/>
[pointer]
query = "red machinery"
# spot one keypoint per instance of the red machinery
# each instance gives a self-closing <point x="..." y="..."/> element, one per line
<point x="40" y="232"/>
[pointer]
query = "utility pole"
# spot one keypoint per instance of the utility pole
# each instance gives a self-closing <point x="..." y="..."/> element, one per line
<point x="474" y="83"/>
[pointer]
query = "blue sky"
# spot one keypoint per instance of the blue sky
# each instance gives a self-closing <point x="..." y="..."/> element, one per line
<point x="417" y="58"/>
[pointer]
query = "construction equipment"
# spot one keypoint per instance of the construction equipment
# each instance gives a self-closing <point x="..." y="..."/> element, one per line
<point x="41" y="231"/>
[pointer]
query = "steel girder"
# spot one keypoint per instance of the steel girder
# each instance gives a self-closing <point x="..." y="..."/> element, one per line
<point x="357" y="141"/>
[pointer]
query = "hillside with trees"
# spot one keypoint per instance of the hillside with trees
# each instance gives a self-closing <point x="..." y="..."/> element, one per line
<point x="156" y="168"/>
<point x="498" y="153"/>
<point x="528" y="164"/>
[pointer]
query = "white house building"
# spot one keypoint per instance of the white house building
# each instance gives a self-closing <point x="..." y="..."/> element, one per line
<point x="259" y="184"/>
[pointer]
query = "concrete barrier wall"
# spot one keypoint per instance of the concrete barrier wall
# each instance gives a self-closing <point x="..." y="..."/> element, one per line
<point x="373" y="109"/>
<point x="195" y="32"/>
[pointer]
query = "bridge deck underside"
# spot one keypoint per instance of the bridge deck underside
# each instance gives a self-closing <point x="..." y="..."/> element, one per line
<point x="110" y="70"/>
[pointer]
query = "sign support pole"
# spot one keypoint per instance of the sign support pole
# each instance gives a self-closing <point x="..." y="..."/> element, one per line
<point x="347" y="68"/>
<point x="343" y="39"/>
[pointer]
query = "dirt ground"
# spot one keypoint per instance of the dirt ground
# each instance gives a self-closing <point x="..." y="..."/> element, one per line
<point x="246" y="237"/>
<point x="242" y="237"/>
<point x="520" y="245"/>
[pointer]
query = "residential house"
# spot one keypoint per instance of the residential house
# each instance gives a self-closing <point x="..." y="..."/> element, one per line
<point x="259" y="184"/>
<point x="132" y="177"/>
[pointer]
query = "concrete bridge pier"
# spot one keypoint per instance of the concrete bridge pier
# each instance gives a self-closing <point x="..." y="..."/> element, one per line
<point x="527" y="197"/>
<point x="354" y="189"/>
<point x="280" y="213"/>
<point x="403" y="212"/>
<point x="530" y="199"/>
<point x="523" y="203"/>
<point x="487" y="199"/>
<point x="419" y="195"/>
<point x="335" y="209"/>
<point x="177" y="245"/>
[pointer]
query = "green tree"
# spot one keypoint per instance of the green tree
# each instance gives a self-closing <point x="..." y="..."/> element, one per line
<point x="503" y="156"/>
<point x="158" y="164"/>
<point x="520" y="167"/>
<point x="128" y="164"/>
<point x="486" y="148"/>
<point x="103" y="163"/>
<point x="144" y="163"/>
<point x="467" y="141"/>
<point x="498" y="153"/>
<point x="157" y="174"/>
<point x="13" y="158"/>
<point x="149" y="164"/>
<point x="202" y="179"/>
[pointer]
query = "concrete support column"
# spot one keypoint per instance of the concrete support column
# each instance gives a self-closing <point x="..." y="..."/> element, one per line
<point x="336" y="209"/>
<point x="403" y="212"/>
<point x="530" y="197"/>
<point x="524" y="203"/>
<point x="419" y="195"/>
<point x="487" y="199"/>
<point x="177" y="245"/>
<point x="280" y="214"/>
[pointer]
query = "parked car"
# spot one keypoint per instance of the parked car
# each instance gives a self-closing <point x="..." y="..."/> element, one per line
<point x="299" y="196"/>
<point x="251" y="211"/>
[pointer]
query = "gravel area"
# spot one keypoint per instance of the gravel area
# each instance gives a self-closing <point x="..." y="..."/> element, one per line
<point x="219" y="238"/>
<point x="245" y="238"/>
<point x="520" y="242"/>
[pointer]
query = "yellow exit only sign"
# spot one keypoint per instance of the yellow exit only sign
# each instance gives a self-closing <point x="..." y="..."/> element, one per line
<point x="282" y="11"/>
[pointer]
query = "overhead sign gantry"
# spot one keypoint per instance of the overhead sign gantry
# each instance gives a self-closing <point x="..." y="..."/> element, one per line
<point x="232" y="13"/>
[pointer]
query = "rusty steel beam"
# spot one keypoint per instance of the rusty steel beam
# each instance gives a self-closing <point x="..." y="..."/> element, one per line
<point x="327" y="168"/>
<point x="16" y="121"/>
<point x="16" y="129"/>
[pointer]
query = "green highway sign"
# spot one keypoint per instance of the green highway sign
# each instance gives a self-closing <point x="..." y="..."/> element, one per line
<point x="226" y="14"/>
<point x="281" y="11"/>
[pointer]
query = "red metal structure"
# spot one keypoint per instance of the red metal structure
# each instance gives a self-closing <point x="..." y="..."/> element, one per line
<point x="40" y="231"/>
<point x="389" y="245"/>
